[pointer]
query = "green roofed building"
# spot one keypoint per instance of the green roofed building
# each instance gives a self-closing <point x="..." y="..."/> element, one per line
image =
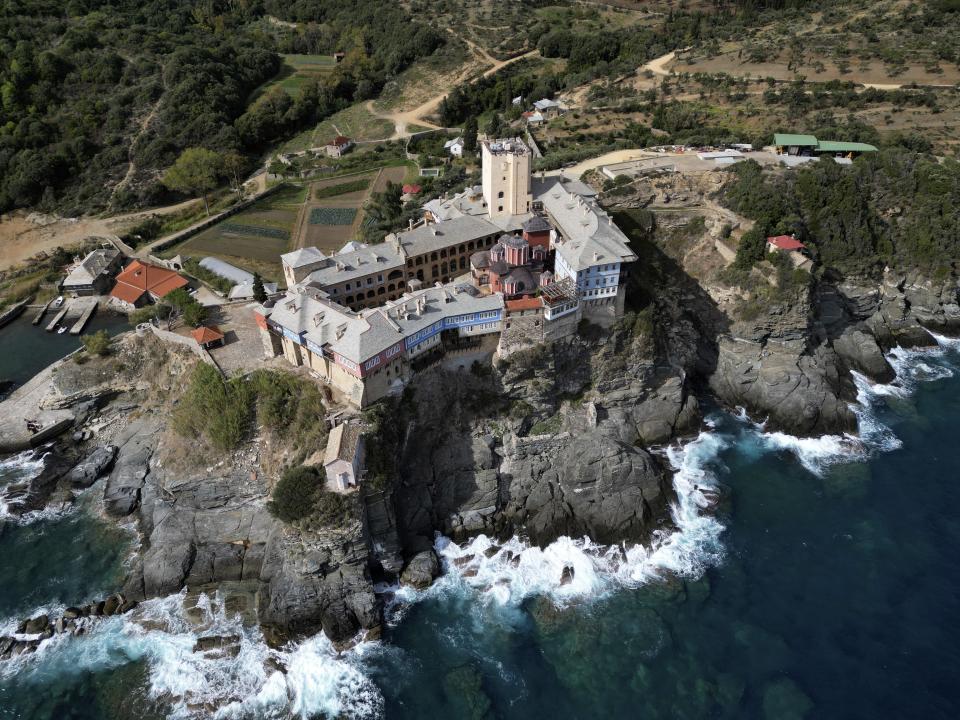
<point x="789" y="144"/>
<point x="833" y="146"/>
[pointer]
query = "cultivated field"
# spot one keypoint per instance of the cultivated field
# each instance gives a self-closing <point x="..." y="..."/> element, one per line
<point x="253" y="239"/>
<point x="330" y="221"/>
<point x="298" y="70"/>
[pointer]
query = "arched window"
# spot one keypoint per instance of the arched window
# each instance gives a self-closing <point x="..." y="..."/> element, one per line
<point x="348" y="299"/>
<point x="391" y="287"/>
<point x="463" y="262"/>
<point x="401" y="285"/>
<point x="369" y="293"/>
<point x="380" y="290"/>
<point x="433" y="255"/>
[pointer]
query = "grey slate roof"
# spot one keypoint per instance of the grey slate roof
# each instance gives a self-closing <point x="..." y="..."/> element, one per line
<point x="302" y="257"/>
<point x="91" y="267"/>
<point x="589" y="236"/>
<point x="360" y="336"/>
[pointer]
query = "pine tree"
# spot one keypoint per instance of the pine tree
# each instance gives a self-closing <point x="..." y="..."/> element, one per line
<point x="259" y="292"/>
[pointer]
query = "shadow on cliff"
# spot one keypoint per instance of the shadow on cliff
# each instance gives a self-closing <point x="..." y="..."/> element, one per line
<point x="688" y="322"/>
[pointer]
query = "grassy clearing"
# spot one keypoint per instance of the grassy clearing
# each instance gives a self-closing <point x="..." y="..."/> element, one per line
<point x="332" y="216"/>
<point x="341" y="188"/>
<point x="356" y="122"/>
<point x="253" y="239"/>
<point x="297" y="71"/>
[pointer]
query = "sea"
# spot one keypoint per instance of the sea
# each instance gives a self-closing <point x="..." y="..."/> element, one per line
<point x="807" y="578"/>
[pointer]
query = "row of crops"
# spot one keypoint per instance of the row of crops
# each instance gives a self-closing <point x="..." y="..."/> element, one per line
<point x="332" y="216"/>
<point x="254" y="231"/>
<point x="342" y="188"/>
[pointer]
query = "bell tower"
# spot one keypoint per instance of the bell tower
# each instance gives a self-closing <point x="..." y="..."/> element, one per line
<point x="506" y="177"/>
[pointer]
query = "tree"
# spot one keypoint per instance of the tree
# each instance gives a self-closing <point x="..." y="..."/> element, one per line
<point x="259" y="292"/>
<point x="195" y="172"/>
<point x="470" y="135"/>
<point x="96" y="344"/>
<point x="295" y="494"/>
<point x="194" y="314"/>
<point x="233" y="166"/>
<point x="494" y="126"/>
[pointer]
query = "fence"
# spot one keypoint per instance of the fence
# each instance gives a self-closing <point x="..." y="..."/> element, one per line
<point x="182" y="235"/>
<point x="187" y="342"/>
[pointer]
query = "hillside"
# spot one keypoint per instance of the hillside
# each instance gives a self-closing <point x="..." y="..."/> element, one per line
<point x="97" y="98"/>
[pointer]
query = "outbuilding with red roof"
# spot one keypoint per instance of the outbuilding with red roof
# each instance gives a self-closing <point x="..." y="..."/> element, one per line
<point x="140" y="283"/>
<point x="207" y="337"/>
<point x="784" y="242"/>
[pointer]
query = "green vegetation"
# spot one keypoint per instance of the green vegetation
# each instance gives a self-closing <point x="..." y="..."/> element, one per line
<point x="259" y="292"/>
<point x="893" y="208"/>
<point x="341" y="188"/>
<point x="215" y="409"/>
<point x="332" y="216"/>
<point x="193" y="267"/>
<point x="549" y="426"/>
<point x="292" y="405"/>
<point x="254" y="231"/>
<point x="195" y="172"/>
<point x="300" y="498"/>
<point x="96" y="344"/>
<point x="183" y="304"/>
<point x="89" y="86"/>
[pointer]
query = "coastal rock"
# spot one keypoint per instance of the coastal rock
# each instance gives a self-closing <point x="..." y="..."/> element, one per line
<point x="799" y="391"/>
<point x="421" y="570"/>
<point x="860" y="351"/>
<point x="86" y="472"/>
<point x="121" y="494"/>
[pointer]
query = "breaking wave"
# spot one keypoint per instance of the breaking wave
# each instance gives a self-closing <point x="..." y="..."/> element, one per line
<point x="234" y="675"/>
<point x="242" y="677"/>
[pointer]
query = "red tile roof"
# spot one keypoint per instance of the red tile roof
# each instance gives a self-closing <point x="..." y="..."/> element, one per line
<point x="340" y="140"/>
<point x="411" y="189"/>
<point x="527" y="303"/>
<point x="204" y="334"/>
<point x="139" y="277"/>
<point x="785" y="242"/>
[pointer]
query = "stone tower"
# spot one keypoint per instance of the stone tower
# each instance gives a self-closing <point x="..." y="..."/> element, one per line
<point x="506" y="177"/>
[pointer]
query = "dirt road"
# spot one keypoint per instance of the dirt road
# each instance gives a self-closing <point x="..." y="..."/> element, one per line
<point x="402" y="119"/>
<point x="21" y="239"/>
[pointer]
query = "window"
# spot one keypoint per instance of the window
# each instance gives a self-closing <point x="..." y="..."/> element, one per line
<point x="369" y="281"/>
<point x="500" y="194"/>
<point x="379" y="278"/>
<point x="347" y="286"/>
<point x="500" y="208"/>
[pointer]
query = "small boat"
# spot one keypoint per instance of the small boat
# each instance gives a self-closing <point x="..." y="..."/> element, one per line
<point x="62" y="329"/>
<point x="58" y="302"/>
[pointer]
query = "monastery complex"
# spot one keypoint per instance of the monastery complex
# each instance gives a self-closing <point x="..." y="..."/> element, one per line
<point x="512" y="263"/>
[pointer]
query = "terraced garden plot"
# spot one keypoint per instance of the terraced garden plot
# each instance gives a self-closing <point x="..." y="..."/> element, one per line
<point x="297" y="71"/>
<point x="332" y="216"/>
<point x="254" y="231"/>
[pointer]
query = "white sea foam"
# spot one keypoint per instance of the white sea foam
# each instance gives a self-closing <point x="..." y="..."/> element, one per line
<point x="504" y="574"/>
<point x="234" y="684"/>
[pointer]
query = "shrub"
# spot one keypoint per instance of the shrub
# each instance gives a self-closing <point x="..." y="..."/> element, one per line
<point x="96" y="344"/>
<point x="214" y="408"/>
<point x="300" y="497"/>
<point x="295" y="495"/>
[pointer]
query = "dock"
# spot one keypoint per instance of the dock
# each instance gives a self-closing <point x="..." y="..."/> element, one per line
<point x="13" y="312"/>
<point x="56" y="319"/>
<point x="41" y="312"/>
<point x="85" y="314"/>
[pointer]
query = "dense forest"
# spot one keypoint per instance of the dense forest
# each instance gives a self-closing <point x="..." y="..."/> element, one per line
<point x="90" y="89"/>
<point x="894" y="207"/>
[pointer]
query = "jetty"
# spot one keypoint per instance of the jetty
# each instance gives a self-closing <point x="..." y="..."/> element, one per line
<point x="57" y="318"/>
<point x="88" y="306"/>
<point x="41" y="312"/>
<point x="13" y="312"/>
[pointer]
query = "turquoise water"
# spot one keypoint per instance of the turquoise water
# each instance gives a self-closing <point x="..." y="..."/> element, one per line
<point x="826" y="585"/>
